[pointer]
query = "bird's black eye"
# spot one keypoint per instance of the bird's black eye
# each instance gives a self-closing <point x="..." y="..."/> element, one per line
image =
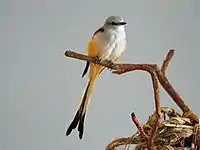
<point x="113" y="23"/>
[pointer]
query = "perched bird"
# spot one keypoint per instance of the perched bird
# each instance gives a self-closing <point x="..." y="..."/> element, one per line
<point x="107" y="43"/>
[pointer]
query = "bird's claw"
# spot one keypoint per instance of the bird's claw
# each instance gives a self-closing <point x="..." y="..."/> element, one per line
<point x="96" y="59"/>
<point x="111" y="64"/>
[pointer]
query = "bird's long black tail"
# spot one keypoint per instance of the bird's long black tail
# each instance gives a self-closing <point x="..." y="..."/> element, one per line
<point x="81" y="112"/>
<point x="80" y="115"/>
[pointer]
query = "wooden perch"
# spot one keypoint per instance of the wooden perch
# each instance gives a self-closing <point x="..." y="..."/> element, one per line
<point x="150" y="134"/>
<point x="152" y="69"/>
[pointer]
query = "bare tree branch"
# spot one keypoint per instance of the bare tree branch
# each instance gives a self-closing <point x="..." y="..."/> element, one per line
<point x="123" y="68"/>
<point x="150" y="130"/>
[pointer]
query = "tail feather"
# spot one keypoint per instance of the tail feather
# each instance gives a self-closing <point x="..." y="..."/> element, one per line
<point x="80" y="114"/>
<point x="81" y="126"/>
<point x="79" y="117"/>
<point x="74" y="123"/>
<point x="86" y="69"/>
<point x="83" y="112"/>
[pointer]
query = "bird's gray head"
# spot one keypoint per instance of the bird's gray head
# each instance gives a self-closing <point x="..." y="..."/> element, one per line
<point x="114" y="22"/>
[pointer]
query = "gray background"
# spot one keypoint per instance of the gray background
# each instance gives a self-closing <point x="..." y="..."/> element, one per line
<point x="41" y="88"/>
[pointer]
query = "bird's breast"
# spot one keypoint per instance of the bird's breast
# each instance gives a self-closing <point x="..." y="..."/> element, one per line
<point x="111" y="44"/>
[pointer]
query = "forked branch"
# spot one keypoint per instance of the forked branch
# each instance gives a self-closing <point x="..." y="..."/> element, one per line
<point x="151" y="68"/>
<point x="150" y="130"/>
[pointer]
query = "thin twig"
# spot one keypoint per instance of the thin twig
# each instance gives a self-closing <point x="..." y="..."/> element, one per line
<point x="167" y="60"/>
<point x="140" y="129"/>
<point x="137" y="124"/>
<point x="156" y="93"/>
<point x="158" y="111"/>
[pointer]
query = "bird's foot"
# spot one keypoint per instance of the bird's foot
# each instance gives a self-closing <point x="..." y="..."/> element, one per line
<point x="111" y="64"/>
<point x="96" y="59"/>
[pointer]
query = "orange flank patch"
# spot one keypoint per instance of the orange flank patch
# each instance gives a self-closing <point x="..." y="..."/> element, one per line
<point x="92" y="49"/>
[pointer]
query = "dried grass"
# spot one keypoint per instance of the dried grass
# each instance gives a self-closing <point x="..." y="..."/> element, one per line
<point x="175" y="133"/>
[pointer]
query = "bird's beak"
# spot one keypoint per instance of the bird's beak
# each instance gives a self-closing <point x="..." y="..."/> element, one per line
<point x="122" y="23"/>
